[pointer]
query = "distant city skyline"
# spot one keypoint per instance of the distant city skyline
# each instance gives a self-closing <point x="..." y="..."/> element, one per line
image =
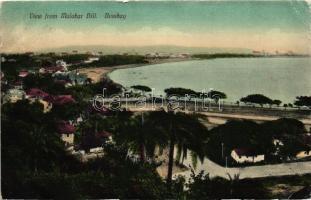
<point x="262" y="25"/>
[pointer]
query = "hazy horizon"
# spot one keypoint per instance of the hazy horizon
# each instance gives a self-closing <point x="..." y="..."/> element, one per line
<point x="261" y="25"/>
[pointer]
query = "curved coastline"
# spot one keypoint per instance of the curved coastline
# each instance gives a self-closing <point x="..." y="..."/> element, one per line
<point x="105" y="71"/>
<point x="262" y="75"/>
<point x="156" y="62"/>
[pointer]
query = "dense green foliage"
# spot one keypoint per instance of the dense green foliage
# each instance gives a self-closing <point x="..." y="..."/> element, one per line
<point x="303" y="101"/>
<point x="277" y="102"/>
<point x="16" y="62"/>
<point x="35" y="164"/>
<point x="257" y="98"/>
<point x="206" y="187"/>
<point x="180" y="92"/>
<point x="142" y="88"/>
<point x="257" y="137"/>
<point x="72" y="58"/>
<point x="216" y="95"/>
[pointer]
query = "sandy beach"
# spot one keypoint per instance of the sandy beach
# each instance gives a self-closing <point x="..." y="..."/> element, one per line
<point x="97" y="73"/>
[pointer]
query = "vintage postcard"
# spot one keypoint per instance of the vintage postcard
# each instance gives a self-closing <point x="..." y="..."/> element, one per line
<point x="155" y="99"/>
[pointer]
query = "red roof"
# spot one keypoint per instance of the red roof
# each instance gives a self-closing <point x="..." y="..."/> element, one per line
<point x="35" y="92"/>
<point x="64" y="127"/>
<point x="60" y="99"/>
<point x="53" y="69"/>
<point x="104" y="134"/>
<point x="23" y="73"/>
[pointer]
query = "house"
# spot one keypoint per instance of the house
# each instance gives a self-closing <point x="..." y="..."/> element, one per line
<point x="23" y="73"/>
<point x="246" y="155"/>
<point x="66" y="130"/>
<point x="71" y="78"/>
<point x="303" y="154"/>
<point x="13" y="95"/>
<point x="36" y="93"/>
<point x="61" y="63"/>
<point x="91" y="59"/>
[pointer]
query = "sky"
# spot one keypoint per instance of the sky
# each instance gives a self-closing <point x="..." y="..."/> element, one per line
<point x="257" y="25"/>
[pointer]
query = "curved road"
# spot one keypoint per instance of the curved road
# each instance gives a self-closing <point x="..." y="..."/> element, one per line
<point x="214" y="169"/>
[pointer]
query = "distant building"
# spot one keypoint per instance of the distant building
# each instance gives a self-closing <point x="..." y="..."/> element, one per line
<point x="63" y="64"/>
<point x="70" y="78"/>
<point x="11" y="60"/>
<point x="13" y="95"/>
<point x="66" y="130"/>
<point x="246" y="155"/>
<point x="303" y="154"/>
<point x="91" y="59"/>
<point x="23" y="73"/>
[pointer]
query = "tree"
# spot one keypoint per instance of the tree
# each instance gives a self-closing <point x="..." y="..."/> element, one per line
<point x="179" y="92"/>
<point x="108" y="85"/>
<point x="184" y="131"/>
<point x="290" y="132"/>
<point x="256" y="98"/>
<point x="235" y="134"/>
<point x="216" y="95"/>
<point x="29" y="138"/>
<point x="136" y="132"/>
<point x="205" y="187"/>
<point x="141" y="88"/>
<point x="44" y="82"/>
<point x="303" y="101"/>
<point x="277" y="102"/>
<point x="95" y="123"/>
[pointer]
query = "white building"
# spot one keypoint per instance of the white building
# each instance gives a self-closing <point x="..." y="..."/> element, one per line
<point x="303" y="154"/>
<point x="13" y="95"/>
<point x="246" y="155"/>
<point x="61" y="63"/>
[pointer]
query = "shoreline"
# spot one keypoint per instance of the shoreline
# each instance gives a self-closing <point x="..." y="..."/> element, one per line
<point x="98" y="73"/>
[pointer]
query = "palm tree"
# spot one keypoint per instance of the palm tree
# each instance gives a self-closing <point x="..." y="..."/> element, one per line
<point x="181" y="130"/>
<point x="136" y="132"/>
